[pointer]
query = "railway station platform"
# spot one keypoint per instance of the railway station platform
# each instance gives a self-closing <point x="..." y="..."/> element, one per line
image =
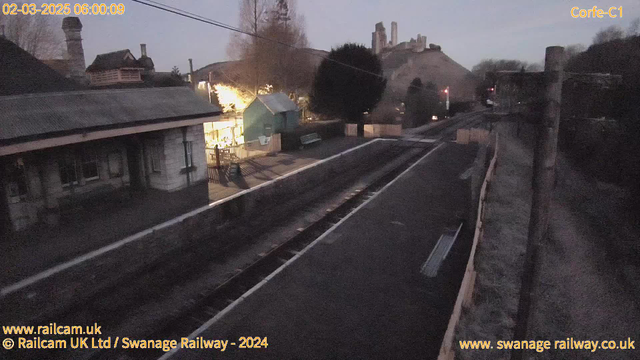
<point x="357" y="292"/>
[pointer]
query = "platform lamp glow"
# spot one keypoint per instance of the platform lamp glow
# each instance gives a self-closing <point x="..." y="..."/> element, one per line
<point x="446" y="91"/>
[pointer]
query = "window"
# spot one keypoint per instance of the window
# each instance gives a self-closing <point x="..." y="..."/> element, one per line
<point x="90" y="165"/>
<point x="17" y="181"/>
<point x="130" y="75"/>
<point x="114" y="161"/>
<point x="189" y="153"/>
<point x="68" y="174"/>
<point x="156" y="159"/>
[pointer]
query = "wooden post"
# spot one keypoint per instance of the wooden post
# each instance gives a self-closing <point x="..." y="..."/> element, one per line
<point x="217" y="152"/>
<point x="544" y="163"/>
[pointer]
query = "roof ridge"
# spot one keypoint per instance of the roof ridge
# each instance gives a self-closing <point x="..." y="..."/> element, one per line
<point x="113" y="52"/>
<point x="83" y="92"/>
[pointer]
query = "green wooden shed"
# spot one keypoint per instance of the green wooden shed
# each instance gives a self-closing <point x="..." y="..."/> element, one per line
<point x="269" y="114"/>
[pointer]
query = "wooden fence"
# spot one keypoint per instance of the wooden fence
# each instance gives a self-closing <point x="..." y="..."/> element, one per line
<point x="465" y="136"/>
<point x="245" y="151"/>
<point x="465" y="294"/>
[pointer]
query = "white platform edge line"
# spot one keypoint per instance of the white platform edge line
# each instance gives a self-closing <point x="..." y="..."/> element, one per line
<point x="90" y="255"/>
<point x="230" y="307"/>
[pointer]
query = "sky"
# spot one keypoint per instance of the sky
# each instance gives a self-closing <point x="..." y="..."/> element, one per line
<point x="467" y="30"/>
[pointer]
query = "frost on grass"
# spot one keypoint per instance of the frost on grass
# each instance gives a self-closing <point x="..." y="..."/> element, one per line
<point x="500" y="254"/>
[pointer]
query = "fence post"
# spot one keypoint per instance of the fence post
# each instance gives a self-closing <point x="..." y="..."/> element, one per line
<point x="544" y="163"/>
<point x="217" y="151"/>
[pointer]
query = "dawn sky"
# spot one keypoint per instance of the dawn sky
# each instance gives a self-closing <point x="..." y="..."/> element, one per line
<point x="468" y="31"/>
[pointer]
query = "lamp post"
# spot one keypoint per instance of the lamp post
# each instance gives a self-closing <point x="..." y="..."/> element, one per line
<point x="446" y="91"/>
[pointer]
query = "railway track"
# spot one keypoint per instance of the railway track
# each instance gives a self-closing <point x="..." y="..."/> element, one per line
<point x="212" y="302"/>
<point x="212" y="305"/>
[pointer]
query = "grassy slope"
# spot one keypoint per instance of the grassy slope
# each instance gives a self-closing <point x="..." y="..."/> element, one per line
<point x="587" y="285"/>
<point x="499" y="257"/>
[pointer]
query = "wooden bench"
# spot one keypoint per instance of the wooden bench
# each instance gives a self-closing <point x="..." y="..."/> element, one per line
<point x="309" y="138"/>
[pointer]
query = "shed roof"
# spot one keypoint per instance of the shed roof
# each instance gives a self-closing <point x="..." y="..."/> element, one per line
<point x="277" y="103"/>
<point x="33" y="116"/>
<point x="115" y="60"/>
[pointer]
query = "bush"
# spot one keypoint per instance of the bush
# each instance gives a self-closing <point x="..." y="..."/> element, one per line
<point x="384" y="114"/>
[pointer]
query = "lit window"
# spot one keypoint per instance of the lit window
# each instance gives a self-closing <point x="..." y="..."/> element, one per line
<point x="90" y="165"/>
<point x="189" y="153"/>
<point x="68" y="174"/>
<point x="17" y="181"/>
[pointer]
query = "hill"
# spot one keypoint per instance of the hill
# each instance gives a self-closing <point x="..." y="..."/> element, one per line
<point x="402" y="66"/>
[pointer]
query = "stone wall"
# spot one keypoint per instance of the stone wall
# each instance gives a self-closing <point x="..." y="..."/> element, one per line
<point x="45" y="190"/>
<point x="104" y="268"/>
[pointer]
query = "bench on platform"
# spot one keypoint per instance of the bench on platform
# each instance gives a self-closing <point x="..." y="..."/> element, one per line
<point x="309" y="138"/>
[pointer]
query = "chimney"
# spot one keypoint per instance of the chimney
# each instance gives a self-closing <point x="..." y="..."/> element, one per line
<point x="191" y="79"/>
<point x="143" y="50"/>
<point x="72" y="28"/>
<point x="394" y="33"/>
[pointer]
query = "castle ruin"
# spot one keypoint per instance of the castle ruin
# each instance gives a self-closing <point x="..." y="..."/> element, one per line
<point x="379" y="40"/>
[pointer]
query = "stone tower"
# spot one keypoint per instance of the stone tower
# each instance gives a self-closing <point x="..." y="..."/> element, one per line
<point x="379" y="38"/>
<point x="72" y="28"/>
<point x="394" y="33"/>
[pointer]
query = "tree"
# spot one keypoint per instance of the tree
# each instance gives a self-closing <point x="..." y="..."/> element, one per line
<point x="634" y="28"/>
<point x="344" y="91"/>
<point x="611" y="33"/>
<point x="572" y="51"/>
<point x="487" y="65"/>
<point x="175" y="72"/>
<point x="272" y="61"/>
<point x="422" y="102"/>
<point x="39" y="35"/>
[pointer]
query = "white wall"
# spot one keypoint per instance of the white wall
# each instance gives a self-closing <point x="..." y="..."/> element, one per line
<point x="173" y="176"/>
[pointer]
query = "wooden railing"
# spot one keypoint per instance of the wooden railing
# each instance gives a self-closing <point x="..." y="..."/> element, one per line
<point x="465" y="294"/>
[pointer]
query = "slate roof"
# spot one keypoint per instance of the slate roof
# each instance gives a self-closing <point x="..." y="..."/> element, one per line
<point x="277" y="103"/>
<point x="36" y="116"/>
<point x="146" y="62"/>
<point x="61" y="66"/>
<point x="114" y="60"/>
<point x="21" y="73"/>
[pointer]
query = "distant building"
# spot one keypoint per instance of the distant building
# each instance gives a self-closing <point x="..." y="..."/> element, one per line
<point x="404" y="61"/>
<point x="120" y="67"/>
<point x="269" y="114"/>
<point x="379" y="37"/>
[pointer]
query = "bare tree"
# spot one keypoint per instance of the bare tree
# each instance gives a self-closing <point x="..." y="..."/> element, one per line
<point x="572" y="51"/>
<point x="613" y="32"/>
<point x="40" y="35"/>
<point x="271" y="62"/>
<point x="487" y="65"/>
<point x="634" y="28"/>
